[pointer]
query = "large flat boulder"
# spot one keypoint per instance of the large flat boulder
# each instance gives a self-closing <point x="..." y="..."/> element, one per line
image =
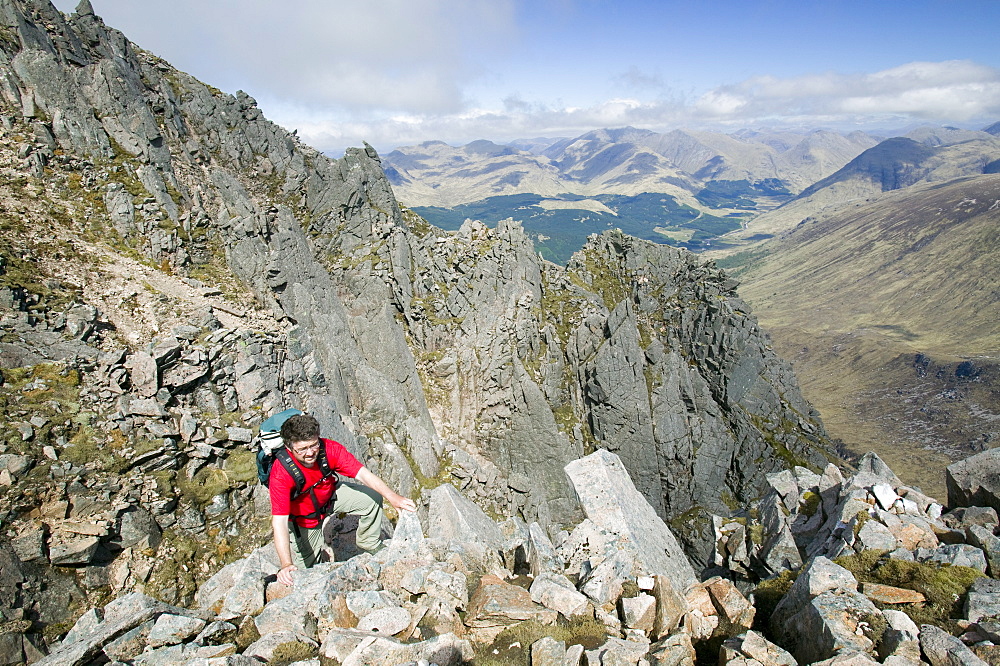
<point x="975" y="481"/>
<point x="611" y="501"/>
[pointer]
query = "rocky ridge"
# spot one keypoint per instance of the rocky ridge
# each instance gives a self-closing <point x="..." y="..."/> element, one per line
<point x="856" y="569"/>
<point x="176" y="267"/>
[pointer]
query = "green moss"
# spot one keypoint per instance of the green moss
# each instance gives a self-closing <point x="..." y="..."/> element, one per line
<point x="513" y="645"/>
<point x="292" y="651"/>
<point x="208" y="482"/>
<point x="944" y="587"/>
<point x="767" y="595"/>
<point x="241" y="466"/>
<point x="810" y="503"/>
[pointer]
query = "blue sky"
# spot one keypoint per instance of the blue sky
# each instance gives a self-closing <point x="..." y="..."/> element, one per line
<point x="398" y="72"/>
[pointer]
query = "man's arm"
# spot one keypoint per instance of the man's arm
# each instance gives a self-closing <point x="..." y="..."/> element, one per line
<point x="279" y="526"/>
<point x="382" y="488"/>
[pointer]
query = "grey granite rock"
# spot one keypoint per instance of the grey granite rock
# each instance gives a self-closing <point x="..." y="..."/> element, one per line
<point x="611" y="501"/>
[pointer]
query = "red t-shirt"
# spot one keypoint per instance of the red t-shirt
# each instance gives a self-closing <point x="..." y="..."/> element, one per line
<point x="281" y="484"/>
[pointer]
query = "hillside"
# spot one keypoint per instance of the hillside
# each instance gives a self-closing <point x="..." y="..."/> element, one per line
<point x="889" y="313"/>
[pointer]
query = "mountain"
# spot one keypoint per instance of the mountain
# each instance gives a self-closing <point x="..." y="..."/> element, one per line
<point x="888" y="309"/>
<point x="926" y="155"/>
<point x="174" y="268"/>
<point x="708" y="183"/>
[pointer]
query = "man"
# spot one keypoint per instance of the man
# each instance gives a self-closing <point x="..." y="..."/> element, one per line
<point x="297" y="520"/>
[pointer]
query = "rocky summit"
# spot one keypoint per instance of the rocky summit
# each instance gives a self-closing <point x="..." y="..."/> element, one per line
<point x="174" y="268"/>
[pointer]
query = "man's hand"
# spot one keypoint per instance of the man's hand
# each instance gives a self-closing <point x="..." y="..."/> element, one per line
<point x="403" y="503"/>
<point x="285" y="574"/>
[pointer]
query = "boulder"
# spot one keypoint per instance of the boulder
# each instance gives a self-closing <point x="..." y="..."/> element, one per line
<point x="983" y="599"/>
<point x="674" y="650"/>
<point x="453" y="517"/>
<point x="670" y="607"/>
<point x="555" y="591"/>
<point x="443" y="650"/>
<point x="942" y="649"/>
<point x="496" y="604"/>
<point x="611" y="501"/>
<point x="170" y="629"/>
<point x="833" y="621"/>
<point x="548" y="651"/>
<point x="752" y="645"/>
<point x="975" y="481"/>
<point x="542" y="555"/>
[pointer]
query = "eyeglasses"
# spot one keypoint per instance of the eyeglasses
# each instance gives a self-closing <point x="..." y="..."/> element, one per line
<point x="305" y="449"/>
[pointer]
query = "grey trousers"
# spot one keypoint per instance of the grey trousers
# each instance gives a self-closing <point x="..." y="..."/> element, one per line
<point x="308" y="544"/>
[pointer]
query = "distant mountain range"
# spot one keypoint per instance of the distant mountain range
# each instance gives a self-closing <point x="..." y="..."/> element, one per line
<point x="699" y="190"/>
<point x="926" y="155"/>
<point x="683" y="187"/>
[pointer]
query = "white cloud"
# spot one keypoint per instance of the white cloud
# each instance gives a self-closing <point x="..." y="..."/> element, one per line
<point x="956" y="90"/>
<point x="417" y="55"/>
<point x="948" y="92"/>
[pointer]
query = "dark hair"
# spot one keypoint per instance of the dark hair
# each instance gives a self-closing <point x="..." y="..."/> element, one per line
<point x="299" y="428"/>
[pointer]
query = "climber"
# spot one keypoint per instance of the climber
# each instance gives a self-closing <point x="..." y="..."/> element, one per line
<point x="297" y="519"/>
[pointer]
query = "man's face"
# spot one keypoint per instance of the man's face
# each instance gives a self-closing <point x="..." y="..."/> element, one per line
<point x="306" y="451"/>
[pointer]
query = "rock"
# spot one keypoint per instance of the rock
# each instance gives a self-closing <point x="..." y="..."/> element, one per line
<point x="216" y="633"/>
<point x="850" y="658"/>
<point x="833" y="621"/>
<point x="983" y="599"/>
<point x="963" y="517"/>
<point x="15" y="464"/>
<point x="129" y="645"/>
<point x="144" y="374"/>
<point x="675" y="650"/>
<point x="670" y="607"/>
<point x="443" y="650"/>
<point x="985" y="540"/>
<point x="555" y="591"/>
<point x="619" y="652"/>
<point x="171" y="629"/>
<point x="605" y="582"/>
<point x="735" y="612"/>
<point x="975" y="481"/>
<point x="238" y="588"/>
<point x="960" y="554"/>
<point x="638" y="612"/>
<point x="453" y="517"/>
<point x="610" y="500"/>
<point x="264" y="648"/>
<point x="119" y="617"/>
<point x="901" y="637"/>
<point x="819" y="576"/>
<point x="873" y="535"/>
<point x="138" y="529"/>
<point x="69" y="551"/>
<point x="887" y="594"/>
<point x="497" y="604"/>
<point x="752" y="645"/>
<point x="542" y="556"/>
<point x="942" y="649"/>
<point x="385" y="621"/>
<point x="548" y="651"/>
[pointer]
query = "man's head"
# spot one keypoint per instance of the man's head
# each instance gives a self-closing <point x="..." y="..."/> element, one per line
<point x="300" y="434"/>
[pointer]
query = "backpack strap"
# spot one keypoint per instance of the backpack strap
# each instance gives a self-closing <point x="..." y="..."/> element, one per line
<point x="318" y="512"/>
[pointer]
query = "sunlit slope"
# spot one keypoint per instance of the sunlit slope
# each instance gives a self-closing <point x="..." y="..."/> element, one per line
<point x="890" y="312"/>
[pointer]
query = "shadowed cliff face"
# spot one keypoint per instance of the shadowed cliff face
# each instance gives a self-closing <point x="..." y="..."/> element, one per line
<point x="433" y="356"/>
